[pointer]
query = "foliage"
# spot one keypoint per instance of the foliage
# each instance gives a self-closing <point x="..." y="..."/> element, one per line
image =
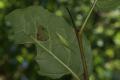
<point x="106" y="64"/>
<point x="61" y="43"/>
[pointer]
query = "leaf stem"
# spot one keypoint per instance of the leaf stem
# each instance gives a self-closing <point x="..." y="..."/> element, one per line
<point x="55" y="57"/>
<point x="80" y="41"/>
<point x="79" y="36"/>
<point x="86" y="20"/>
<point x="74" y="26"/>
<point x="83" y="57"/>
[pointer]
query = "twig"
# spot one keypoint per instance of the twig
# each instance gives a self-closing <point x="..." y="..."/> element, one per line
<point x="79" y="36"/>
<point x="74" y="26"/>
<point x="80" y="43"/>
<point x="86" y="20"/>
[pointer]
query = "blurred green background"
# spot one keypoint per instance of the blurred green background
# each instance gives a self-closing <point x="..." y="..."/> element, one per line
<point x="103" y="31"/>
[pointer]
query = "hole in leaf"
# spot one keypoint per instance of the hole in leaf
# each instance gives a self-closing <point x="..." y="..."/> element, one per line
<point x="42" y="33"/>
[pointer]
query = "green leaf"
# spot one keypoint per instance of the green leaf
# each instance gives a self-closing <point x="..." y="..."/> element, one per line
<point x="58" y="51"/>
<point x="107" y="5"/>
<point x="22" y="22"/>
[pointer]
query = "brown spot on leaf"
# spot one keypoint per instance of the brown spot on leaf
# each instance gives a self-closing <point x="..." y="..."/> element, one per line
<point x="42" y="34"/>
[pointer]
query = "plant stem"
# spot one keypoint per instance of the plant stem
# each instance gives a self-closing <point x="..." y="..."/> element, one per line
<point x="74" y="26"/>
<point x="86" y="20"/>
<point x="83" y="58"/>
<point x="80" y="42"/>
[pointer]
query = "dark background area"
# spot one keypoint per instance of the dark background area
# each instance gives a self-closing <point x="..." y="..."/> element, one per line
<point x="103" y="31"/>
